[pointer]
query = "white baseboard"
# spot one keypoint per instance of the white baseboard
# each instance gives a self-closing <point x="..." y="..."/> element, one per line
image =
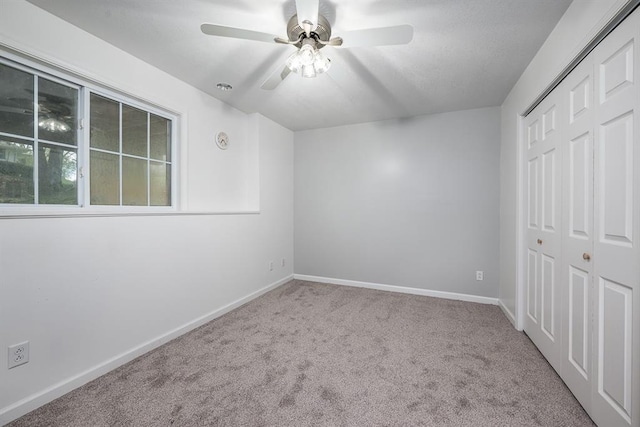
<point x="34" y="401"/>
<point x="507" y="313"/>
<point x="401" y="289"/>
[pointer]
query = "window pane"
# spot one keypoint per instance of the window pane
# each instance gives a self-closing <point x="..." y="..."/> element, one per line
<point x="160" y="184"/>
<point x="134" y="182"/>
<point x="105" y="123"/>
<point x="16" y="171"/>
<point x="105" y="178"/>
<point x="134" y="131"/>
<point x="57" y="171"/>
<point x="57" y="112"/>
<point x="160" y="129"/>
<point x="16" y="101"/>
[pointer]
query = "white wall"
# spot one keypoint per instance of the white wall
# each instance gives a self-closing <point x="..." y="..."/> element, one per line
<point x="410" y="203"/>
<point x="90" y="293"/>
<point x="580" y="23"/>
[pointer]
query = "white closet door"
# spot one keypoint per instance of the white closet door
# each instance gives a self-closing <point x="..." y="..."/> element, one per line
<point x="577" y="231"/>
<point x="616" y="254"/>
<point x="543" y="295"/>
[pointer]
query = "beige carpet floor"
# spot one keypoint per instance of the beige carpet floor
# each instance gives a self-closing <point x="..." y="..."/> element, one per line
<point x="324" y="355"/>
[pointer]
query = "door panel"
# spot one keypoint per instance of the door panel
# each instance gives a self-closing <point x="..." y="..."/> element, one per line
<point x="550" y="186"/>
<point x="616" y="262"/>
<point x="616" y="180"/>
<point x="614" y="350"/>
<point x="532" y="285"/>
<point x="578" y="331"/>
<point x="544" y="233"/>
<point x="549" y="121"/>
<point x="580" y="96"/>
<point x="532" y="133"/>
<point x="580" y="158"/>
<point x="577" y="234"/>
<point x="548" y="318"/>
<point x="616" y="72"/>
<point x="533" y="193"/>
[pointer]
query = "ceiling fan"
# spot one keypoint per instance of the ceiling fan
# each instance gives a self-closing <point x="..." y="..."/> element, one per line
<point x="309" y="32"/>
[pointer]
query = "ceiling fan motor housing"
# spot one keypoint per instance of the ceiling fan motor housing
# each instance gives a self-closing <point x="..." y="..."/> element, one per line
<point x="321" y="32"/>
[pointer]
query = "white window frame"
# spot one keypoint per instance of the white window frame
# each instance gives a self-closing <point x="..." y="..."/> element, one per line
<point x="149" y="109"/>
<point x="85" y="87"/>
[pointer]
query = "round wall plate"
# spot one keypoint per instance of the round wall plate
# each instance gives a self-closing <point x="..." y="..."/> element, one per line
<point x="222" y="140"/>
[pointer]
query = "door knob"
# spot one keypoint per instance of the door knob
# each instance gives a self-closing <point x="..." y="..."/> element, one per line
<point x="539" y="241"/>
<point x="586" y="256"/>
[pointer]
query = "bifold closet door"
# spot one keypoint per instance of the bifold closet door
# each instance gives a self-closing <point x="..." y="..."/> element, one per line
<point x="577" y="236"/>
<point x="593" y="341"/>
<point x="616" y="253"/>
<point x="543" y="296"/>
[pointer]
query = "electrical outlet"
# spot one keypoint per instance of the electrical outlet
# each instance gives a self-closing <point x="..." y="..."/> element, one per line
<point x="18" y="354"/>
<point x="479" y="275"/>
<point x="283" y="262"/>
<point x="270" y="265"/>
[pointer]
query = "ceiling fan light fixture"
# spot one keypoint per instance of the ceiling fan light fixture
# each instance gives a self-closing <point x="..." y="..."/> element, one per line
<point x="54" y="125"/>
<point x="308" y="61"/>
<point x="310" y="32"/>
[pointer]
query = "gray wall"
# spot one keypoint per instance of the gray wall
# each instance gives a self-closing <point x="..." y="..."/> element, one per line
<point x="410" y="202"/>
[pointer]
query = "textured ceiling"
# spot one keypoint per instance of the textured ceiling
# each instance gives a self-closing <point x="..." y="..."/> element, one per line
<point x="464" y="54"/>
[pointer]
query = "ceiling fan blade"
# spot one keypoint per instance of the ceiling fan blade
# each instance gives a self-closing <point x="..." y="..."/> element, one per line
<point x="336" y="41"/>
<point x="15" y="110"/>
<point x="275" y="78"/>
<point x="385" y="36"/>
<point x="286" y="41"/>
<point x="236" y="33"/>
<point x="307" y="11"/>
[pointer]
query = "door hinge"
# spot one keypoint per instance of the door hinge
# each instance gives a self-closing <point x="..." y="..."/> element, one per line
<point x="81" y="124"/>
<point x="81" y="172"/>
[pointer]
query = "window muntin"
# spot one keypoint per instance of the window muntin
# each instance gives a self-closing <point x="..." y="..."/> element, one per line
<point x="38" y="132"/>
<point x="74" y="133"/>
<point x="129" y="155"/>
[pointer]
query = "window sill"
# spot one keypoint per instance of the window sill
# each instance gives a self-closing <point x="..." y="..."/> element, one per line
<point x="111" y="213"/>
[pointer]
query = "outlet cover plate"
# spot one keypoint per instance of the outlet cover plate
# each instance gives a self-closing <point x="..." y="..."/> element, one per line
<point x="18" y="354"/>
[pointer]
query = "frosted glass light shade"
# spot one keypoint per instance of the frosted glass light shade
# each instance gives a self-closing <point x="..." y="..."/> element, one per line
<point x="308" y="71"/>
<point x="294" y="63"/>
<point x="307" y="54"/>
<point x="308" y="61"/>
<point x="321" y="63"/>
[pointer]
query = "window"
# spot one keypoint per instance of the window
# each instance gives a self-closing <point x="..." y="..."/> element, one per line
<point x="39" y="145"/>
<point x="120" y="154"/>
<point x="130" y="155"/>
